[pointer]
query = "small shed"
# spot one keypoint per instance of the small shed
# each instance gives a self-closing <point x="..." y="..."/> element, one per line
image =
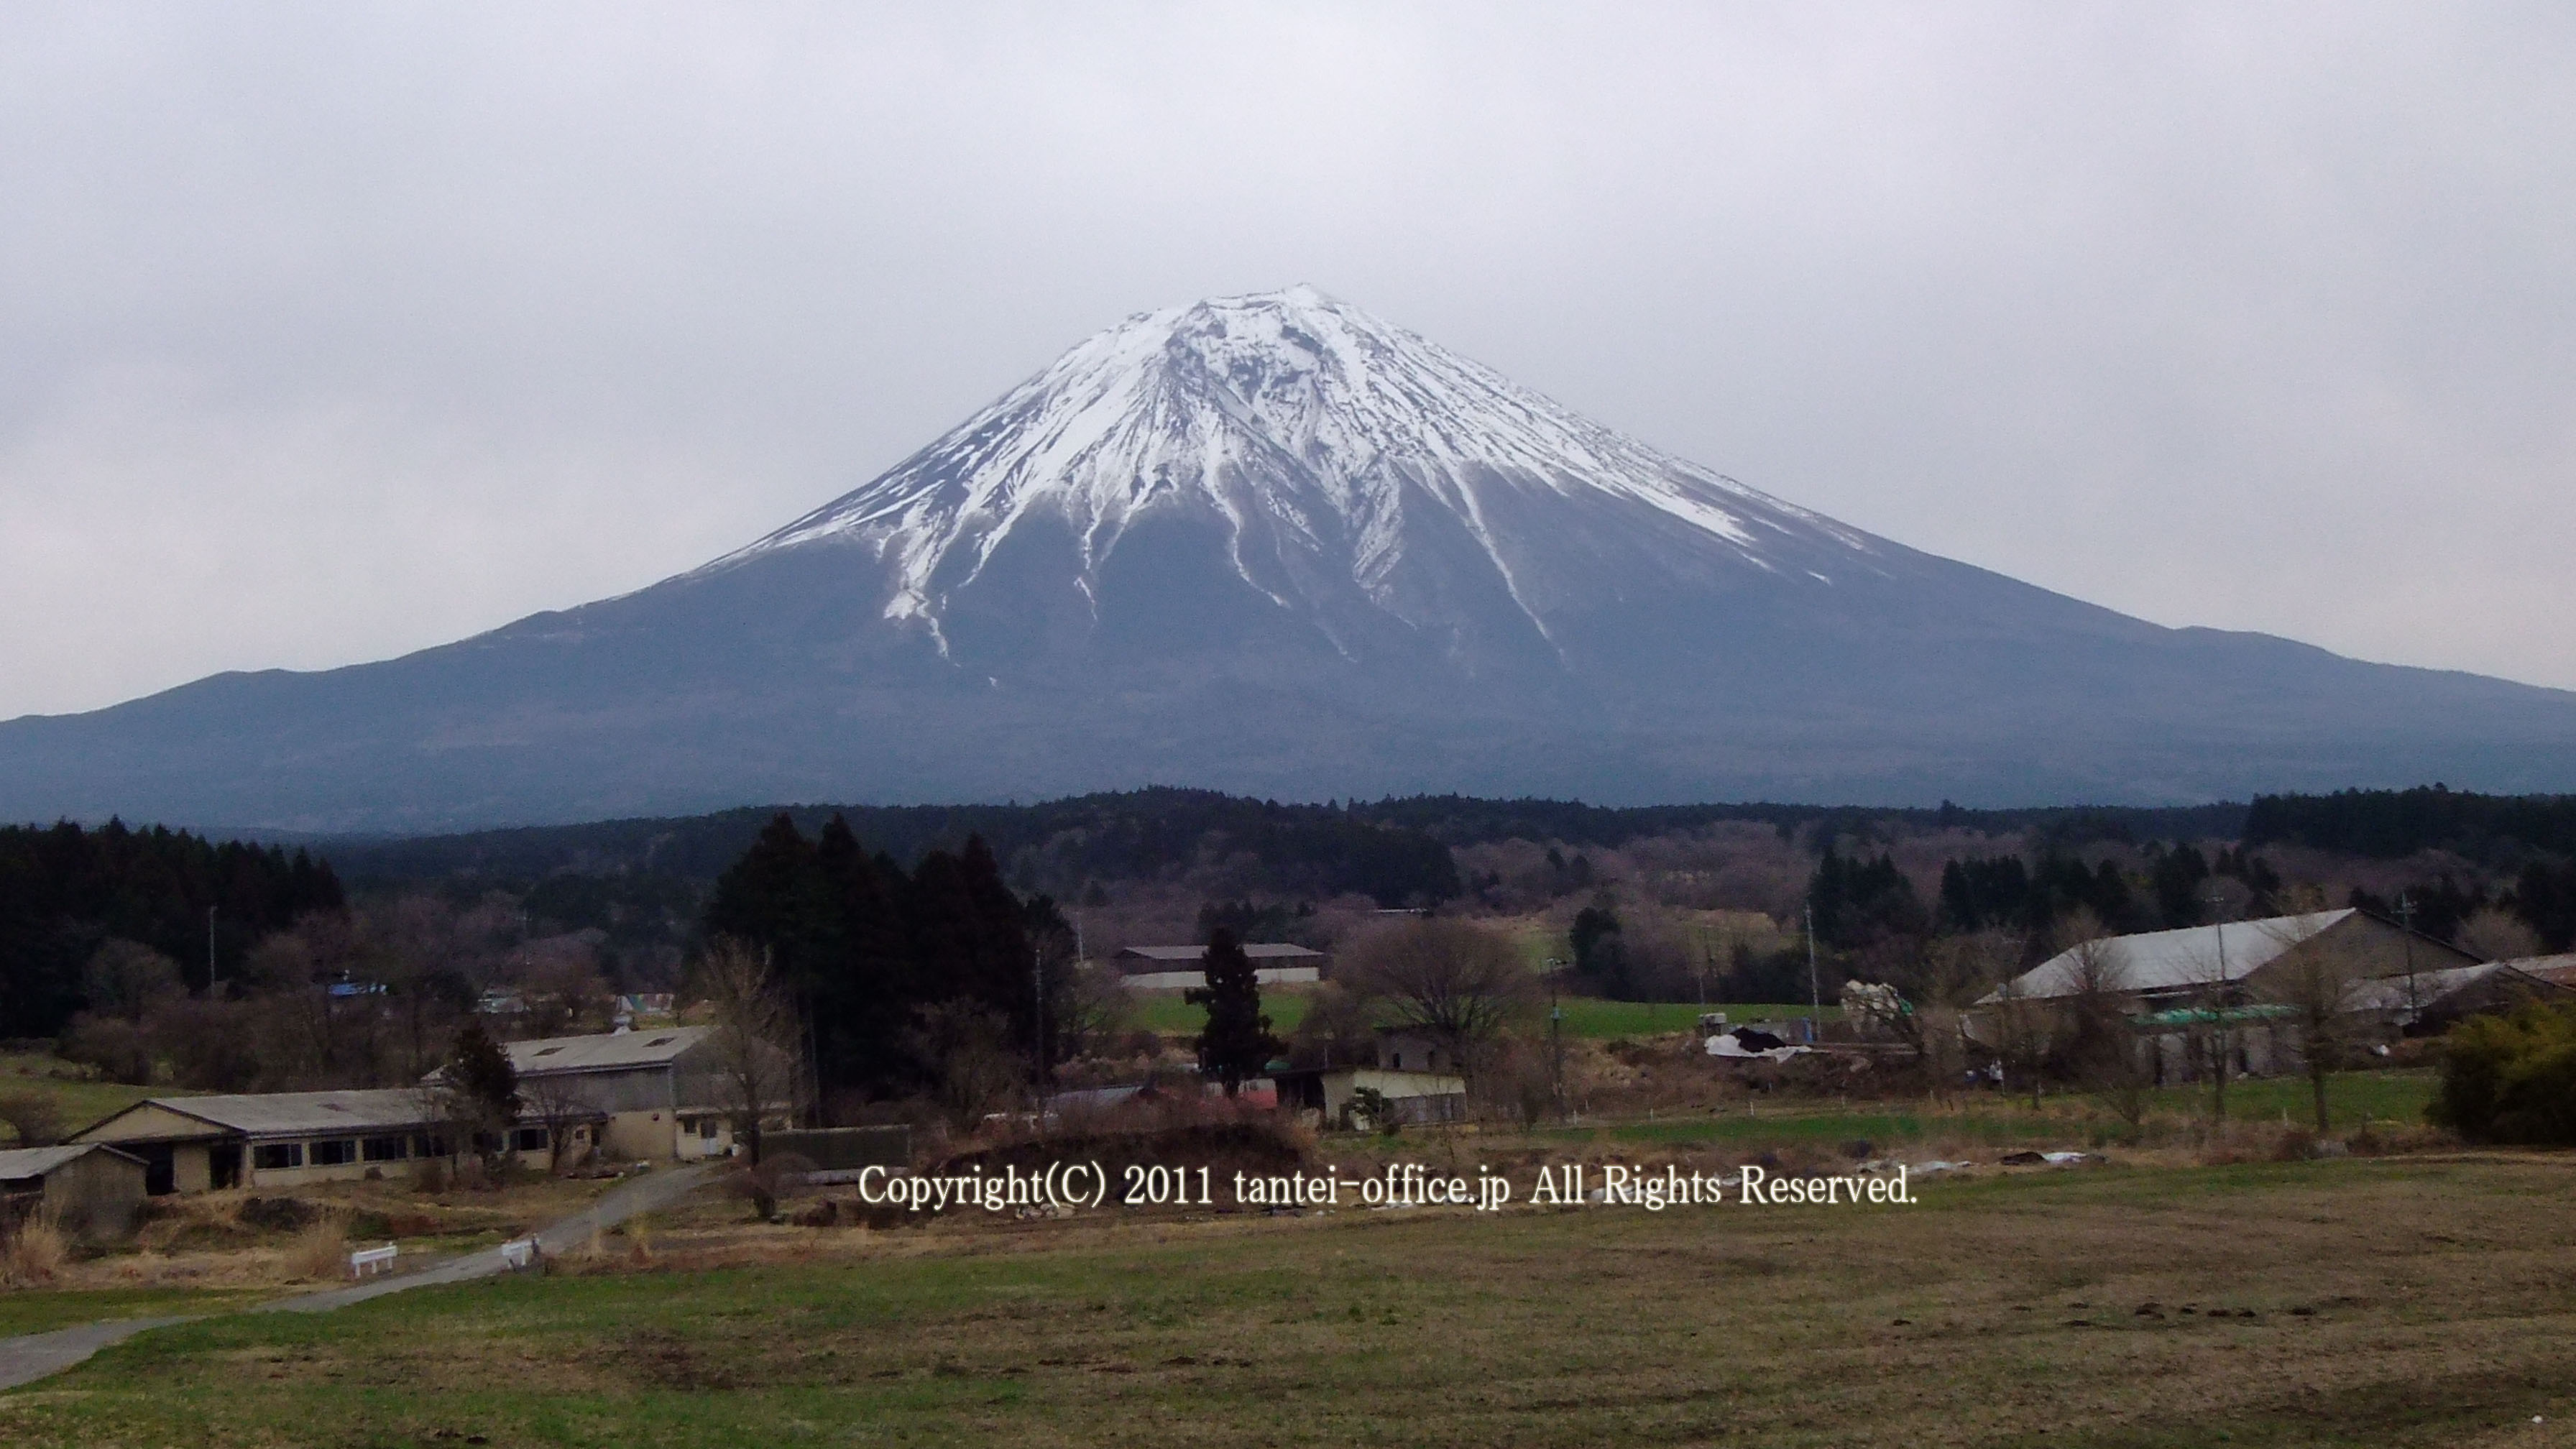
<point x="92" y="1190"/>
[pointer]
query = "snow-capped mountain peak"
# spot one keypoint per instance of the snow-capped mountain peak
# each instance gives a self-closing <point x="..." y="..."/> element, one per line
<point x="1320" y="441"/>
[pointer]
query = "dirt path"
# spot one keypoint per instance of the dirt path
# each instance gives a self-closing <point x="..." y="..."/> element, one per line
<point x="30" y="1357"/>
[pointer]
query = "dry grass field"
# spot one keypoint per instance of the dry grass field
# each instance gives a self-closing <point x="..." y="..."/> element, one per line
<point x="2398" y="1301"/>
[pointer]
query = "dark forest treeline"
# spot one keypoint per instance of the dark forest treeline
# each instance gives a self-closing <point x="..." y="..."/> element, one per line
<point x="2391" y="824"/>
<point x="901" y="977"/>
<point x="1460" y="820"/>
<point x="66" y="891"/>
<point x="1307" y="850"/>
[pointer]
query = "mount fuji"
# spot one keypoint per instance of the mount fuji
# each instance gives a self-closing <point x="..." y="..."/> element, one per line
<point x="1272" y="545"/>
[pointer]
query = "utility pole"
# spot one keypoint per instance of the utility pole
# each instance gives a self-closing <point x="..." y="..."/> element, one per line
<point x="1555" y="1035"/>
<point x="2406" y="929"/>
<point x="1815" y="992"/>
<point x="2222" y="1039"/>
<point x="210" y="952"/>
<point x="1037" y="991"/>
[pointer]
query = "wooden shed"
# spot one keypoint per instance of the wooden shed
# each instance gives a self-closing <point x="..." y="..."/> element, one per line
<point x="92" y="1190"/>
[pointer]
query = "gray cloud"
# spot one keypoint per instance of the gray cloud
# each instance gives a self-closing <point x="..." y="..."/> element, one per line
<point x="336" y="331"/>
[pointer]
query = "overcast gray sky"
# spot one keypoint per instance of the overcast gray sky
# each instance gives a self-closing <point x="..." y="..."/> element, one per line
<point x="329" y="332"/>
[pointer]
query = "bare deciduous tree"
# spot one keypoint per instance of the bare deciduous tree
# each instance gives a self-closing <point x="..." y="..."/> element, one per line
<point x="2021" y="1024"/>
<point x="2318" y="981"/>
<point x="1094" y="1002"/>
<point x="2496" y="935"/>
<point x="1460" y="984"/>
<point x="1940" y="980"/>
<point x="966" y="1049"/>
<point x="2103" y="1047"/>
<point x="557" y="1102"/>
<point x="755" y="1060"/>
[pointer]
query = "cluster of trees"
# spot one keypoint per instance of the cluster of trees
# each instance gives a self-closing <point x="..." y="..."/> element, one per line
<point x="935" y="979"/>
<point x="66" y="892"/>
<point x="366" y="996"/>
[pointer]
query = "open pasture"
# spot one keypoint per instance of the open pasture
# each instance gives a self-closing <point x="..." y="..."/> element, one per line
<point x="2388" y="1302"/>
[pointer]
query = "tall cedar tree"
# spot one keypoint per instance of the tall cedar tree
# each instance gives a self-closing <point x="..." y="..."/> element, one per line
<point x="485" y="1086"/>
<point x="1236" y="1043"/>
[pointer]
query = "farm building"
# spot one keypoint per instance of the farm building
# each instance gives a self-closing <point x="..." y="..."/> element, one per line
<point x="627" y="1095"/>
<point x="1177" y="968"/>
<point x="659" y="1093"/>
<point x="1419" y="1081"/>
<point x="2427" y="1002"/>
<point x="2184" y="989"/>
<point x="275" y="1139"/>
<point x="92" y="1191"/>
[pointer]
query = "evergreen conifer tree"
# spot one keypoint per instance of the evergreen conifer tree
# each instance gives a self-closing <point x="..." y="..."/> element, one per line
<point x="1236" y="1043"/>
<point x="482" y="1090"/>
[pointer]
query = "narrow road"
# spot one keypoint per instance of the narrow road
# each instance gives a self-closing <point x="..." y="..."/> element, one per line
<point x="30" y="1357"/>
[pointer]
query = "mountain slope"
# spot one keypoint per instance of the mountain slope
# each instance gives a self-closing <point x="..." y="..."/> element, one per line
<point x="1273" y="545"/>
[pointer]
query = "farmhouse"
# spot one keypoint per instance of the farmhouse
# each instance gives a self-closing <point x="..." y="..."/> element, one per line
<point x="93" y="1191"/>
<point x="1176" y="968"/>
<point x="1417" y="1080"/>
<point x="660" y="1093"/>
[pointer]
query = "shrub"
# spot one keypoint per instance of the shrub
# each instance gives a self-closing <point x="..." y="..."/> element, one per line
<point x="2510" y="1078"/>
<point x="34" y="1116"/>
<point x="320" y="1249"/>
<point x="32" y="1251"/>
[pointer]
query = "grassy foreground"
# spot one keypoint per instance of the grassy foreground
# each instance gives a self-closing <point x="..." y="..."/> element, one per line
<point x="2383" y="1302"/>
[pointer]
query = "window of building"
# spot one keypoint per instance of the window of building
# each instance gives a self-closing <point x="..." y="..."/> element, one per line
<point x="707" y="1128"/>
<point x="528" y="1139"/>
<point x="382" y="1149"/>
<point x="335" y="1152"/>
<point x="425" y="1144"/>
<point x="277" y="1156"/>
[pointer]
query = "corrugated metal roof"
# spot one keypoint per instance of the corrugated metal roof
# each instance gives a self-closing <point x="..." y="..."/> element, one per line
<point x="2560" y="969"/>
<point x="2430" y="988"/>
<point x="1263" y="951"/>
<point x="610" y="1052"/>
<point x="2172" y="960"/>
<point x="302" y="1114"/>
<point x="20" y="1162"/>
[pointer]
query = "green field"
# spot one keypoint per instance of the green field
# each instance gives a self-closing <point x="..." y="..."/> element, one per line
<point x="80" y="1100"/>
<point x="2386" y="1302"/>
<point x="1993" y="1119"/>
<point x="1585" y="1017"/>
<point x="42" y="1310"/>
